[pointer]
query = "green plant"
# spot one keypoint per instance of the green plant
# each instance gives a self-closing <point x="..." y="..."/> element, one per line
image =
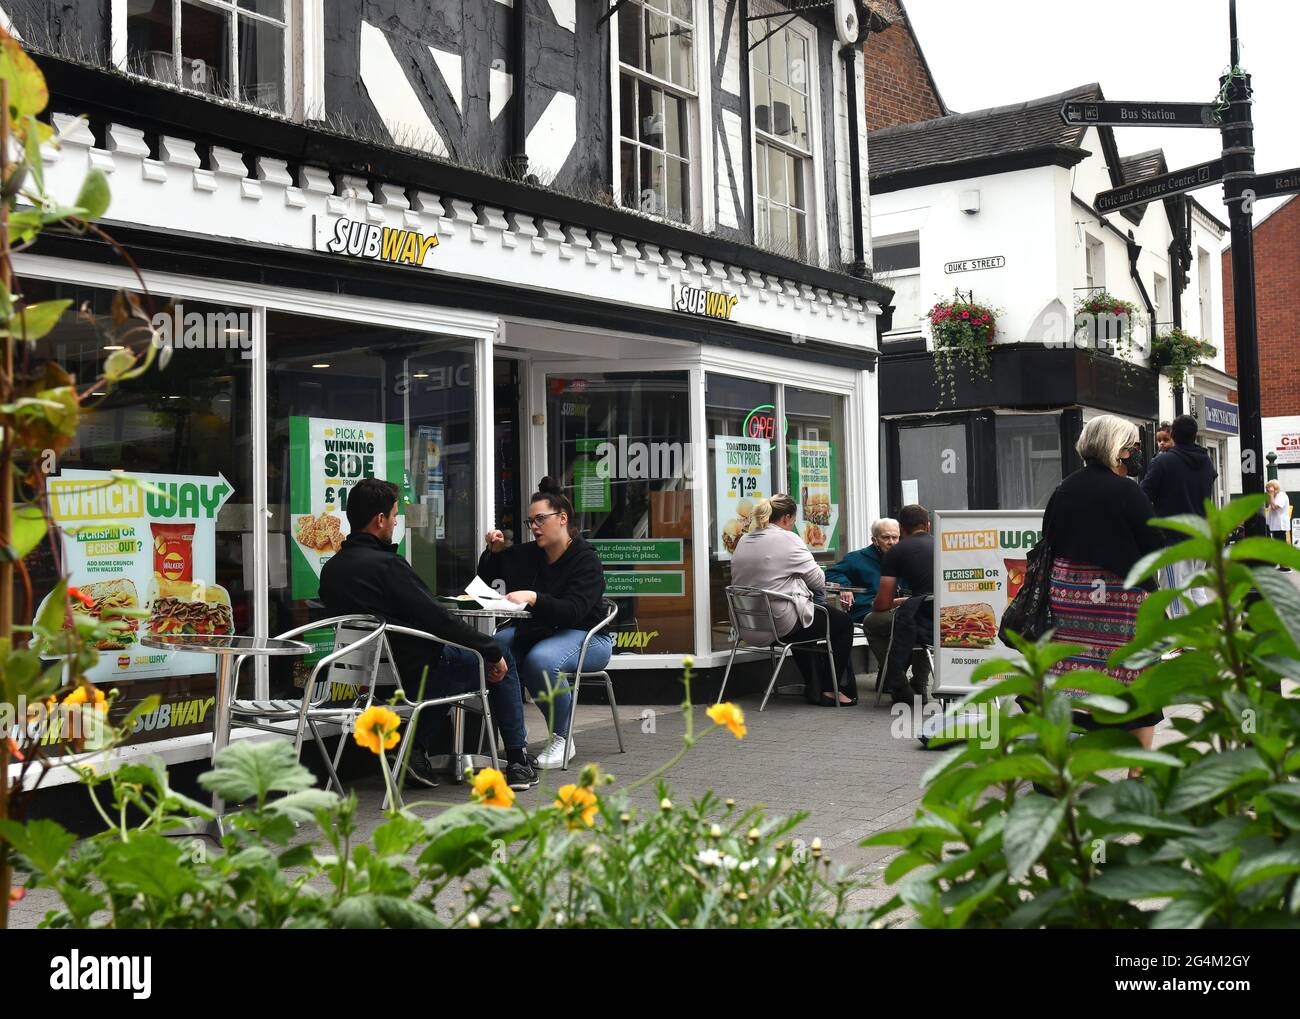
<point x="1029" y="831"/>
<point x="1105" y="320"/>
<point x="589" y="859"/>
<point x="963" y="332"/>
<point x="1176" y="352"/>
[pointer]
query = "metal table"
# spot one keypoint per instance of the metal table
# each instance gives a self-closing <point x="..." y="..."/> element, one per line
<point x="228" y="650"/>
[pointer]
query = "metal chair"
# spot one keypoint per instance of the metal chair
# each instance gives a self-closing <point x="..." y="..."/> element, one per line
<point x="750" y="609"/>
<point x="611" y="611"/>
<point x="354" y="662"/>
<point x="458" y="702"/>
<point x="924" y="642"/>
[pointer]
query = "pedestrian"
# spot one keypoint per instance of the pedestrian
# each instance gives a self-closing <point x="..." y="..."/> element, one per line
<point x="1096" y="526"/>
<point x="1278" y="513"/>
<point x="861" y="569"/>
<point x="1178" y="482"/>
<point x="1164" y="437"/>
<point x="908" y="565"/>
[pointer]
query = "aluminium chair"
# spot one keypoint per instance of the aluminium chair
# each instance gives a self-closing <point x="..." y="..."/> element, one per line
<point x="611" y="612"/>
<point x="924" y="643"/>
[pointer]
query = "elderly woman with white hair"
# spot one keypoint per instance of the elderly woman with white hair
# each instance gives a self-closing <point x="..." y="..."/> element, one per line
<point x="1096" y="525"/>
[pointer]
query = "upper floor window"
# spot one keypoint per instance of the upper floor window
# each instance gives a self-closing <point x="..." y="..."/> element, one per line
<point x="1203" y="284"/>
<point x="657" y="103"/>
<point x="234" y="49"/>
<point x="896" y="262"/>
<point x="783" y="146"/>
<point x="1094" y="263"/>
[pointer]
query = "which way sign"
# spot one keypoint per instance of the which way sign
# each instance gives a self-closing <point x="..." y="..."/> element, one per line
<point x="1282" y="182"/>
<point x="1125" y="114"/>
<point x="1153" y="188"/>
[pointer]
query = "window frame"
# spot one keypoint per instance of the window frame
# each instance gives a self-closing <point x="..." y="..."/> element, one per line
<point x="810" y="161"/>
<point x="698" y="215"/>
<point x="290" y="26"/>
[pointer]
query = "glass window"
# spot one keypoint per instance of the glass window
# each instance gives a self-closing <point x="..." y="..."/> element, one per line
<point x="1028" y="459"/>
<point x="740" y="419"/>
<point x="345" y="401"/>
<point x="896" y="262"/>
<point x="197" y="43"/>
<point x="656" y="106"/>
<point x="181" y="550"/>
<point x="815" y="469"/>
<point x="619" y="443"/>
<point x="934" y="468"/>
<point x="781" y="120"/>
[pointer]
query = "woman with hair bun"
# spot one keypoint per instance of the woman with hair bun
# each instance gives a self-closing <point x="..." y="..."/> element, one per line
<point x="559" y="578"/>
<point x="772" y="557"/>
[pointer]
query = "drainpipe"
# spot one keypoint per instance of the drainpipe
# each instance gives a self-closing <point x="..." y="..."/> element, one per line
<point x="1178" y="272"/>
<point x="859" y="266"/>
<point x="519" y="115"/>
<point x="747" y="116"/>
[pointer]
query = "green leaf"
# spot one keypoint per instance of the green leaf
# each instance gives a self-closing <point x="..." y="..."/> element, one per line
<point x="1031" y="824"/>
<point x="44" y="843"/>
<point x="1224" y="521"/>
<point x="94" y="194"/>
<point x="28" y="528"/>
<point x="34" y="321"/>
<point x="1186" y="523"/>
<point x="369" y="912"/>
<point x="304" y="804"/>
<point x="1149" y="824"/>
<point x="1189" y="914"/>
<point x="1215" y="776"/>
<point x="1089" y="762"/>
<point x="1152" y="881"/>
<point x="248" y="770"/>
<point x="148" y="864"/>
<point x="460" y="837"/>
<point x="1149" y="564"/>
<point x="147" y="705"/>
<point x="28" y="94"/>
<point x="1276" y="863"/>
<point x="118" y="363"/>
<point x="1267" y="550"/>
<point x="54" y="612"/>
<point x="1282" y="595"/>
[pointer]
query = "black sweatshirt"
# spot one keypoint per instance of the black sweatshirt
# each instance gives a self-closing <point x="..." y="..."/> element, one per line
<point x="569" y="590"/>
<point x="1097" y="517"/>
<point x="368" y="576"/>
<point x="1179" y="480"/>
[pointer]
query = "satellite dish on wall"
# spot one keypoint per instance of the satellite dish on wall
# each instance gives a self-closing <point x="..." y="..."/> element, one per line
<point x="846" y="22"/>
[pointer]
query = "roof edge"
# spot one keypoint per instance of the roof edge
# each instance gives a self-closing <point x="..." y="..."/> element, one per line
<point x="980" y="166"/>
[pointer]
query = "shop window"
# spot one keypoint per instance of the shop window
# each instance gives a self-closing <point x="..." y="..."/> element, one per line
<point x="657" y="105"/>
<point x="619" y="444"/>
<point x="233" y="49"/>
<point x="815" y="469"/>
<point x="1028" y="459"/>
<point x="896" y="262"/>
<point x="933" y="466"/>
<point x="345" y="401"/>
<point x="180" y="549"/>
<point x="783" y="164"/>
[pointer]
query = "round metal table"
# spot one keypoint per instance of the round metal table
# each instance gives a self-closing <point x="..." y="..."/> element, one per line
<point x="228" y="650"/>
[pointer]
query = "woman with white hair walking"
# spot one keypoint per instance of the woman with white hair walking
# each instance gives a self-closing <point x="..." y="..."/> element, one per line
<point x="1096" y="526"/>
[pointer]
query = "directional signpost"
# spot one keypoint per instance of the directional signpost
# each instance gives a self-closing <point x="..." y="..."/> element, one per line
<point x="1150" y="189"/>
<point x="1269" y="185"/>
<point x="1138" y="114"/>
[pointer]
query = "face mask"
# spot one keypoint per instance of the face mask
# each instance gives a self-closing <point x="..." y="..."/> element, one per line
<point x="1135" y="465"/>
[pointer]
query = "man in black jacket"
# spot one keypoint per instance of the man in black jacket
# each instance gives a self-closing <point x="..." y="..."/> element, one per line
<point x="1179" y="480"/>
<point x="367" y="576"/>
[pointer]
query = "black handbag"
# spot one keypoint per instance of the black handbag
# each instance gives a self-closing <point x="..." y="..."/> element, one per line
<point x="1030" y="612"/>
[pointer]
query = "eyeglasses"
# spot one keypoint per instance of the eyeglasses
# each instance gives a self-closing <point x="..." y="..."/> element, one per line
<point x="537" y="520"/>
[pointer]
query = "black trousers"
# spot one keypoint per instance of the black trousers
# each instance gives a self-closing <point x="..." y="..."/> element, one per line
<point x="812" y="662"/>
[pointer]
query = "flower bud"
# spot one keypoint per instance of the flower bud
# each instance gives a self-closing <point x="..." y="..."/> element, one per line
<point x="687" y="661"/>
<point x="752" y="835"/>
<point x="665" y="804"/>
<point x="472" y="921"/>
<point x="730" y="802"/>
<point x="715" y="832"/>
<point x="625" y="817"/>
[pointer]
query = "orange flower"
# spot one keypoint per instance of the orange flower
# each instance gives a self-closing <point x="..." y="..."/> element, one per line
<point x="376" y="729"/>
<point x="14" y="752"/>
<point x="491" y="789"/>
<point x="82" y="597"/>
<point x="729" y="715"/>
<point x="87" y="694"/>
<point x="579" y="804"/>
<point x="16" y="894"/>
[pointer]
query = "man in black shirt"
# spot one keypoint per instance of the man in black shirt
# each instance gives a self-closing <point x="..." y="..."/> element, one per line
<point x="368" y="576"/>
<point x="911" y="562"/>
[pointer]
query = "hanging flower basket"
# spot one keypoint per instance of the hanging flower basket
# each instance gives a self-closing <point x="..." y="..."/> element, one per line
<point x="1108" y="322"/>
<point x="1176" y="352"/>
<point x="962" y="331"/>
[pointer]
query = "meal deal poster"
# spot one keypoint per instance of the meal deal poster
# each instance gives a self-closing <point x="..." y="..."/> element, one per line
<point x="815" y="482"/>
<point x="327" y="456"/>
<point x="127" y="546"/>
<point x="979" y="566"/>
<point x="743" y="475"/>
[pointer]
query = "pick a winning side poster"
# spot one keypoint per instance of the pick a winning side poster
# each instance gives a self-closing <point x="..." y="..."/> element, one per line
<point x="327" y="457"/>
<point x="130" y="547"/>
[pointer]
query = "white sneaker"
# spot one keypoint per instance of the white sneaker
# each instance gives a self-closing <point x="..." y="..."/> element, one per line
<point x="553" y="755"/>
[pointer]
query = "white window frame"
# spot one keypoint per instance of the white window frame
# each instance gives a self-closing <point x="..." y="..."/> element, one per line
<point x="1094" y="276"/>
<point x="293" y="19"/>
<point x="698" y="161"/>
<point x="814" y="184"/>
<point x="1160" y="295"/>
<point x="1205" y="292"/>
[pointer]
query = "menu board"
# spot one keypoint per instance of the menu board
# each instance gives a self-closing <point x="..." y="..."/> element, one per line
<point x="327" y="457"/>
<point x="815" y="482"/>
<point x="150" y="547"/>
<point x="979" y="566"/>
<point x="428" y="456"/>
<point x="743" y="475"/>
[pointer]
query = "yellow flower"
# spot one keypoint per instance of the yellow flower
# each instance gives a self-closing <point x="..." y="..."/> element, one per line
<point x="579" y="805"/>
<point x="491" y="790"/>
<point x="376" y="729"/>
<point x="83" y="694"/>
<point x="729" y="715"/>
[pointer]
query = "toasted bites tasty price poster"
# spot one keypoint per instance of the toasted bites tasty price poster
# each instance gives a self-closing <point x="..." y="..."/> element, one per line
<point x="743" y="475"/>
<point x="131" y="547"/>
<point x="327" y="457"/>
<point x="979" y="566"/>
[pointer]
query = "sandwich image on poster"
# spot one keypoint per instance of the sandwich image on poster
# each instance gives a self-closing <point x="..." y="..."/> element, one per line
<point x="108" y="599"/>
<point x="189" y="608"/>
<point x="972" y="625"/>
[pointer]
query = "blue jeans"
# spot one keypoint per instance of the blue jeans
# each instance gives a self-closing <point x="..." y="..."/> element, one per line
<point x="548" y="658"/>
<point x="458" y="673"/>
